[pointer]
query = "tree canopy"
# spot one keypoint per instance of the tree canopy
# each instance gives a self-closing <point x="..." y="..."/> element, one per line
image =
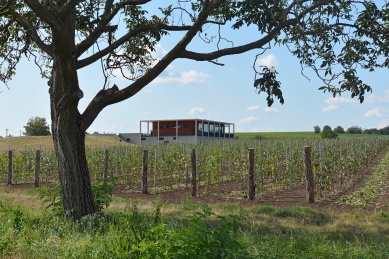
<point x="37" y="127"/>
<point x="335" y="38"/>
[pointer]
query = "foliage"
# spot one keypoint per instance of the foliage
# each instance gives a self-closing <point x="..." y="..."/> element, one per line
<point x="371" y="131"/>
<point x="331" y="37"/>
<point x="328" y="133"/>
<point x="316" y="129"/>
<point x="326" y="127"/>
<point x="354" y="130"/>
<point x="374" y="186"/>
<point x="339" y="130"/>
<point x="37" y="127"/>
<point x="278" y="163"/>
<point x="102" y="194"/>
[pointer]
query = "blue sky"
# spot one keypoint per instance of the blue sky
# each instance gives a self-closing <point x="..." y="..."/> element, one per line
<point x="207" y="91"/>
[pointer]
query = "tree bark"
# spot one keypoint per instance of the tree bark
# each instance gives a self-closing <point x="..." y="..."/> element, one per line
<point x="67" y="125"/>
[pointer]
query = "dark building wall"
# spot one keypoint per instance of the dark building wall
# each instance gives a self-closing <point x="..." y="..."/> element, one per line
<point x="168" y="128"/>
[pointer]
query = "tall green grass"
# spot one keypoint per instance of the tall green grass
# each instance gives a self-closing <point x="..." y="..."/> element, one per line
<point x="196" y="232"/>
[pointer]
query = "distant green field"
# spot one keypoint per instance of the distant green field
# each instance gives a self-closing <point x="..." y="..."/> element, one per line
<point x="301" y="134"/>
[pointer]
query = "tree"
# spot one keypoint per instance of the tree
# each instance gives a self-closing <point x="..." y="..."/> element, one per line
<point x="339" y="129"/>
<point x="328" y="133"/>
<point x="354" y="130"/>
<point x="63" y="36"/>
<point x="37" y="127"/>
<point x="326" y="127"/>
<point x="316" y="129"/>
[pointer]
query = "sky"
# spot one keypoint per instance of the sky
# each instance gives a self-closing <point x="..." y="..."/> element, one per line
<point x="190" y="89"/>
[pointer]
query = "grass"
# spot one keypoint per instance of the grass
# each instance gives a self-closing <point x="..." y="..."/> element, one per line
<point x="40" y="142"/>
<point x="296" y="135"/>
<point x="373" y="187"/>
<point x="128" y="230"/>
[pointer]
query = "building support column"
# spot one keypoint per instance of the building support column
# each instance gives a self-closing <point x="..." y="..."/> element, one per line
<point x="176" y="130"/>
<point x="196" y="131"/>
<point x="140" y="133"/>
<point x="158" y="133"/>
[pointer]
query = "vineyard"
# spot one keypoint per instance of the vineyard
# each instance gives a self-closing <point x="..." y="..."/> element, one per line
<point x="278" y="163"/>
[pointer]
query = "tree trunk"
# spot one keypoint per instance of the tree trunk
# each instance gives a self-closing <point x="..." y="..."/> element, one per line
<point x="69" y="146"/>
<point x="67" y="125"/>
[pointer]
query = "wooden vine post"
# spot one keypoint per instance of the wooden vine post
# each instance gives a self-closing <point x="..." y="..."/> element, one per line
<point x="105" y="172"/>
<point x="310" y="197"/>
<point x="193" y="178"/>
<point x="10" y="166"/>
<point x="252" y="184"/>
<point x="144" y="171"/>
<point x="37" y="167"/>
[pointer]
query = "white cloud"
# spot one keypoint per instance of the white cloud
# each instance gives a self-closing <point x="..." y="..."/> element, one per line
<point x="370" y="99"/>
<point x="268" y="61"/>
<point x="330" y="108"/>
<point x="384" y="98"/>
<point x="159" y="51"/>
<point x="271" y="110"/>
<point x="377" y="112"/>
<point x="249" y="119"/>
<point x="253" y="108"/>
<point x="339" y="100"/>
<point x="383" y="123"/>
<point x="196" y="110"/>
<point x="187" y="77"/>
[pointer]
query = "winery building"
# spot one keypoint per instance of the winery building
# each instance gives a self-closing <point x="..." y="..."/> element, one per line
<point x="184" y="131"/>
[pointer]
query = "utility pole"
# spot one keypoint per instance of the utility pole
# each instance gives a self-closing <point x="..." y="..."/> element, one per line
<point x="6" y="133"/>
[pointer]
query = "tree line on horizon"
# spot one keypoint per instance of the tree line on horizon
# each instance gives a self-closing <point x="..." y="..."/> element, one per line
<point x="328" y="132"/>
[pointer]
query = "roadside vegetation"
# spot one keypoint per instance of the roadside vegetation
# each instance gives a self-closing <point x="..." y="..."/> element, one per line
<point x="134" y="229"/>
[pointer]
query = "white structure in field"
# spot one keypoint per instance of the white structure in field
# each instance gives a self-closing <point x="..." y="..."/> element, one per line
<point x="185" y="130"/>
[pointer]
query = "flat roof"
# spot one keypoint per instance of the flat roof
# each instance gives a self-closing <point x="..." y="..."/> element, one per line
<point x="202" y="120"/>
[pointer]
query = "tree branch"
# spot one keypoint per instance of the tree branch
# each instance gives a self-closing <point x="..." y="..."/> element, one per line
<point x="157" y="26"/>
<point x="108" y="97"/>
<point x="34" y="35"/>
<point x="107" y="18"/>
<point x="67" y="7"/>
<point x="3" y="10"/>
<point x="50" y="16"/>
<point x="253" y="45"/>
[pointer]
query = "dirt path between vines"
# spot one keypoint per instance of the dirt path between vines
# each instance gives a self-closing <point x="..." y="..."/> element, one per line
<point x="287" y="197"/>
